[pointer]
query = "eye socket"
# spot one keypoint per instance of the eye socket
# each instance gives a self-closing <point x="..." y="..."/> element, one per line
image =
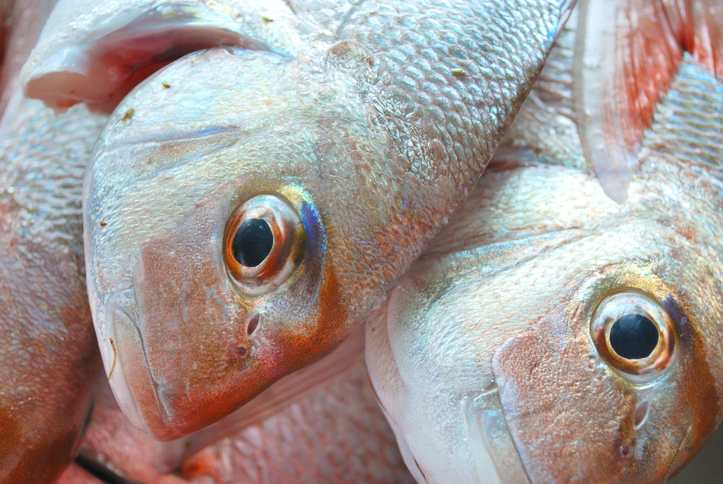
<point x="264" y="242"/>
<point x="634" y="334"/>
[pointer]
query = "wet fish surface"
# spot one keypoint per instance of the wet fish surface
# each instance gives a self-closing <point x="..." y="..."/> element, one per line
<point x="550" y="333"/>
<point x="48" y="356"/>
<point x="247" y="208"/>
<point x="327" y="432"/>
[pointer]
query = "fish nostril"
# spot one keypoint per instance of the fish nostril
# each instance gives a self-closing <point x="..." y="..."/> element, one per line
<point x="241" y="351"/>
<point x="253" y="324"/>
<point x="625" y="451"/>
<point x="641" y="414"/>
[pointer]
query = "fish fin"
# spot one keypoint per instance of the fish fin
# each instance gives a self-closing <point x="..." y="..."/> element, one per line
<point x="286" y="391"/>
<point x="617" y="88"/>
<point x="97" y="55"/>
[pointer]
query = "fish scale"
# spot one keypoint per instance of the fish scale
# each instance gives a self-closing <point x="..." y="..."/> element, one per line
<point x="495" y="337"/>
<point x="48" y="359"/>
<point x="379" y="119"/>
<point x="685" y="125"/>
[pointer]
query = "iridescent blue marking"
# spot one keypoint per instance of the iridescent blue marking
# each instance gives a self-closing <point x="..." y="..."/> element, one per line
<point x="312" y="224"/>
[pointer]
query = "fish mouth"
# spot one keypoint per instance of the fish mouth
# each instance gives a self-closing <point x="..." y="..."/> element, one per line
<point x="123" y="343"/>
<point x="497" y="459"/>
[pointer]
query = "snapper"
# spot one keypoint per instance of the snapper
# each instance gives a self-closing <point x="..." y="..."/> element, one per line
<point x="551" y="333"/>
<point x="250" y="204"/>
<point x="48" y="355"/>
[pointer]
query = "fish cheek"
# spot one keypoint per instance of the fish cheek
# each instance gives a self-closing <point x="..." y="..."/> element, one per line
<point x="572" y="417"/>
<point x="567" y="418"/>
<point x="204" y="359"/>
<point x="190" y="322"/>
<point x="301" y="319"/>
<point x="687" y="399"/>
<point x="677" y="415"/>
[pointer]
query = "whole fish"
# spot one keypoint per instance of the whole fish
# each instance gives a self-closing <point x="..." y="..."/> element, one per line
<point x="321" y="424"/>
<point x="247" y="209"/>
<point x="48" y="356"/>
<point x="551" y="334"/>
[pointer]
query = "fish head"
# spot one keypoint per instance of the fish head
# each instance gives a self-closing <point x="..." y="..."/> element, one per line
<point x="550" y="334"/>
<point x="340" y="151"/>
<point x="203" y="305"/>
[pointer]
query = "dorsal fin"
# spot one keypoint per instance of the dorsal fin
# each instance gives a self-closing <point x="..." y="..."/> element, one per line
<point x="627" y="56"/>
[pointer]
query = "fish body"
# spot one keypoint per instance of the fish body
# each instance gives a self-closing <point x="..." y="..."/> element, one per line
<point x="48" y="356"/>
<point x="499" y="356"/>
<point x="247" y="208"/>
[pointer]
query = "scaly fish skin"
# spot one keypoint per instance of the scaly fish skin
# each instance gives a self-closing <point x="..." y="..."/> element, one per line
<point x="321" y="424"/>
<point x="351" y="154"/>
<point x="335" y="433"/>
<point x="48" y="358"/>
<point x="494" y="358"/>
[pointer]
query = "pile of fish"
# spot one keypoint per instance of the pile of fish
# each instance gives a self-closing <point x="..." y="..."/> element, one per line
<point x="267" y="218"/>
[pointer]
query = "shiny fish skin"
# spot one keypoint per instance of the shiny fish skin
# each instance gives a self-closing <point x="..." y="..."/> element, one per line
<point x="338" y="434"/>
<point x="333" y="433"/>
<point x="372" y="134"/>
<point x="487" y="338"/>
<point x="650" y="39"/>
<point x="48" y="358"/>
<point x="96" y="52"/>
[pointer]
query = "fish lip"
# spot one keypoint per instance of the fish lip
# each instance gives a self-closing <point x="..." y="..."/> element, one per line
<point x="120" y="304"/>
<point x="491" y="441"/>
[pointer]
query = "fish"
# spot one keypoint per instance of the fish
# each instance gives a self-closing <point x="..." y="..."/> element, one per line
<point x="552" y="333"/>
<point x="49" y="359"/>
<point x="321" y="424"/>
<point x="248" y="206"/>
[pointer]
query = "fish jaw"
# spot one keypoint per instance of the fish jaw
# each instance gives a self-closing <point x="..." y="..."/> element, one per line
<point x="454" y="332"/>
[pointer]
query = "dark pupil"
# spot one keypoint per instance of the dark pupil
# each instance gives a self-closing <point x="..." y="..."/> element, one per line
<point x="253" y="242"/>
<point x="634" y="336"/>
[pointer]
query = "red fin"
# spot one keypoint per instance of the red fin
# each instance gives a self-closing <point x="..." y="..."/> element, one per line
<point x="629" y="52"/>
<point x="101" y="61"/>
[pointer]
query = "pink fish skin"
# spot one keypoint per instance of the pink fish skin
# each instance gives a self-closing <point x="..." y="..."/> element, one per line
<point x="552" y="333"/>
<point x="352" y="148"/>
<point x="319" y="425"/>
<point x="48" y="357"/>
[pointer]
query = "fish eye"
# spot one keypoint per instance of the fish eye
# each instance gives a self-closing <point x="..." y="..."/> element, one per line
<point x="253" y="242"/>
<point x="634" y="334"/>
<point x="264" y="243"/>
